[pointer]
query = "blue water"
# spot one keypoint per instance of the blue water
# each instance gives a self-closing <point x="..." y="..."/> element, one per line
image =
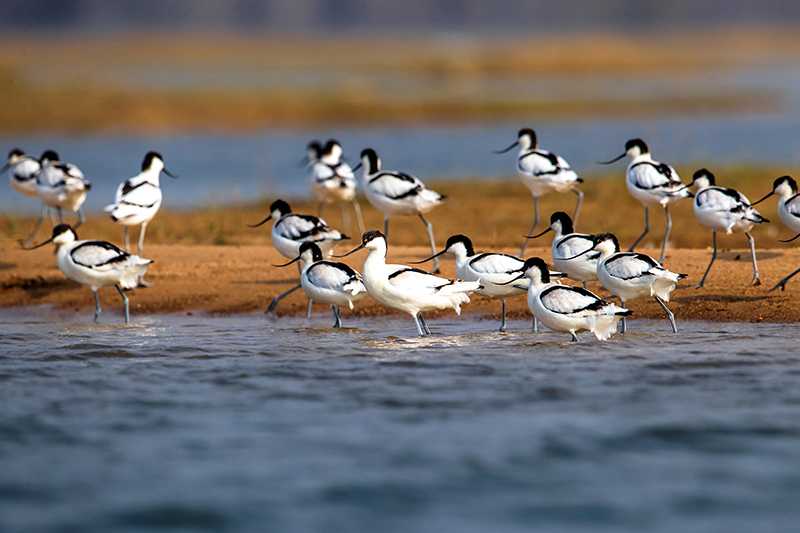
<point x="193" y="423"/>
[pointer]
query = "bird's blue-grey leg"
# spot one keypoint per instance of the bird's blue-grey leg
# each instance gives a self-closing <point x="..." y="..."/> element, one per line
<point x="782" y="283"/>
<point x="97" y="309"/>
<point x="424" y="324"/>
<point x="429" y="229"/>
<point x="359" y="217"/>
<point x="59" y="215"/>
<point x="713" y="258"/>
<point x="81" y="218"/>
<point x="386" y="227"/>
<point x="578" y="205"/>
<point x="502" y="315"/>
<point x="667" y="232"/>
<point x="309" y="309"/>
<point x="420" y="329"/>
<point x="670" y="314"/>
<point x="756" y="275"/>
<point x="126" y="240"/>
<point x="645" y="232"/>
<point x="140" y="244"/>
<point x="533" y="226"/>
<point x="574" y="337"/>
<point x="624" y="322"/>
<point x="125" y="303"/>
<point x="36" y="226"/>
<point x="337" y="318"/>
<point x="275" y="301"/>
<point x="535" y="325"/>
<point x="583" y="284"/>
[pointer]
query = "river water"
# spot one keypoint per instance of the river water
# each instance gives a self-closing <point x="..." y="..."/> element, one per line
<point x="191" y="423"/>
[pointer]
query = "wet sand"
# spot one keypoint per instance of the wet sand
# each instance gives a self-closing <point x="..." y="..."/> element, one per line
<point x="239" y="279"/>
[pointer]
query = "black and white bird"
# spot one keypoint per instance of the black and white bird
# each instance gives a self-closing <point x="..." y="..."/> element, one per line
<point x="97" y="264"/>
<point x="724" y="209"/>
<point x="397" y="193"/>
<point x="652" y="183"/>
<point x="568" y="309"/>
<point x="138" y="199"/>
<point x="290" y="230"/>
<point x="543" y="172"/>
<point x="23" y="169"/>
<point x="568" y="248"/>
<point x="61" y="185"/>
<point x="332" y="179"/>
<point x="328" y="282"/>
<point x="408" y="289"/>
<point x="785" y="188"/>
<point x="491" y="269"/>
<point x="631" y="275"/>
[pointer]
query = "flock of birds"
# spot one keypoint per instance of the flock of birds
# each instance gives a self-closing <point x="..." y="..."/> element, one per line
<point x="309" y="241"/>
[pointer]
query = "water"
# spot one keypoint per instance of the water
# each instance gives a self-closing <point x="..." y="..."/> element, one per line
<point x="231" y="424"/>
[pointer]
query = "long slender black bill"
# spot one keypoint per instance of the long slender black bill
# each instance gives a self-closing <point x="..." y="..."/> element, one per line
<point x="762" y="199"/>
<point x="793" y="238"/>
<point x="610" y="161"/>
<point x="555" y="274"/>
<point x="48" y="241"/>
<point x="504" y="150"/>
<point x="304" y="162"/>
<point x="354" y="250"/>
<point x="577" y="256"/>
<point x="261" y="223"/>
<point x="434" y="256"/>
<point x="5" y="167"/>
<point x="170" y="174"/>
<point x="538" y="234"/>
<point x="296" y="259"/>
<point x="509" y="282"/>
<point x="358" y="166"/>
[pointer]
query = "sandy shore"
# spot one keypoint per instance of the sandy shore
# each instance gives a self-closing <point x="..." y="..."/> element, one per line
<point x="238" y="279"/>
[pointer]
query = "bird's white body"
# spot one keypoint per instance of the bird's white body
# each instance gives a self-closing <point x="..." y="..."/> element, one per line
<point x="408" y="289"/>
<point x="138" y="199"/>
<point x="22" y="176"/>
<point x="654" y="183"/>
<point x="789" y="207"/>
<point x="491" y="270"/>
<point x="62" y="185"/>
<point x="290" y="230"/>
<point x="572" y="309"/>
<point x="332" y="283"/>
<point x="99" y="264"/>
<point x="543" y="172"/>
<point x="724" y="209"/>
<point x="631" y="275"/>
<point x="397" y="193"/>
<point x="565" y="248"/>
<point x="332" y="179"/>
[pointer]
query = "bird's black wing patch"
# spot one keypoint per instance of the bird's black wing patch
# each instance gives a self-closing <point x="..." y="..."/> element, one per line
<point x="122" y="255"/>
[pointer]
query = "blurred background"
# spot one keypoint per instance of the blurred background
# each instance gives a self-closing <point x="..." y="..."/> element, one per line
<point x="230" y="92"/>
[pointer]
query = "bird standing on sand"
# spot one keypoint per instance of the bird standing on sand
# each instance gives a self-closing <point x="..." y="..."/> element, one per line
<point x="332" y="179"/>
<point x="652" y="183"/>
<point x="397" y="193"/>
<point x="568" y="309"/>
<point x="23" y="170"/>
<point x="723" y="209"/>
<point x="408" y="289"/>
<point x="567" y="245"/>
<point x="61" y="186"/>
<point x="138" y="199"/>
<point x="543" y="172"/>
<point x="97" y="264"/>
<point x="290" y="230"/>
<point x="631" y="275"/>
<point x="328" y="282"/>
<point x="785" y="188"/>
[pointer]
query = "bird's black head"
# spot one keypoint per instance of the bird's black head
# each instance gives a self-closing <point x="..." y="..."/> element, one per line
<point x="369" y="158"/>
<point x="316" y="253"/>
<point x="560" y="217"/>
<point x="785" y="180"/>
<point x="281" y="207"/>
<point x="331" y="144"/>
<point x="530" y="134"/>
<point x="49" y="155"/>
<point x="60" y="229"/>
<point x="314" y="148"/>
<point x="636" y="144"/>
<point x="460" y="239"/>
<point x="704" y="174"/>
<point x="609" y="238"/>
<point x="149" y="157"/>
<point x="371" y="235"/>
<point x="539" y="264"/>
<point x="15" y="152"/>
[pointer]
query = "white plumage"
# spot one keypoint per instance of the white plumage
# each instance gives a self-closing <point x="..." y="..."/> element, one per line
<point x="568" y="249"/>
<point x="785" y="188"/>
<point x="61" y="185"/>
<point x="22" y="172"/>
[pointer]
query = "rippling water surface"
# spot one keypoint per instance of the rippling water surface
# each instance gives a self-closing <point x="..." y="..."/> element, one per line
<point x="241" y="424"/>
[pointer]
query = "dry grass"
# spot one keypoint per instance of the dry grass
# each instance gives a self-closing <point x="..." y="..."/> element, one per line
<point x="493" y="213"/>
